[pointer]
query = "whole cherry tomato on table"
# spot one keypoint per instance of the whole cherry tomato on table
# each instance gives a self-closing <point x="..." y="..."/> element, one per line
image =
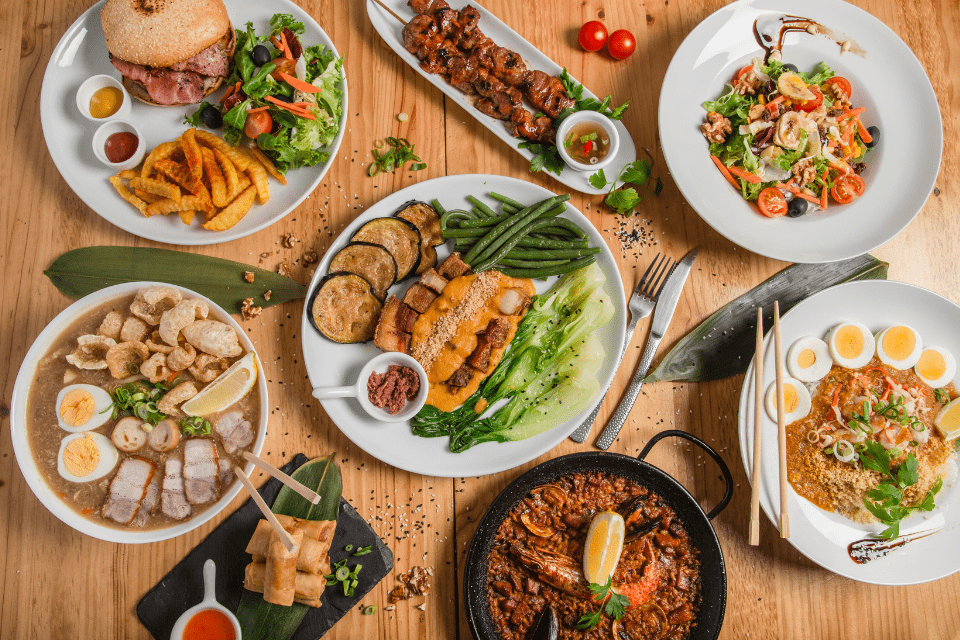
<point x="621" y="44"/>
<point x="593" y="35"/>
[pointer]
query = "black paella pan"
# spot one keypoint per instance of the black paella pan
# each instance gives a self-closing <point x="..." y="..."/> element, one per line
<point x="713" y="593"/>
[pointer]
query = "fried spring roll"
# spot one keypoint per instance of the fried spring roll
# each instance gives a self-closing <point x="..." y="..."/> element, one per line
<point x="308" y="587"/>
<point x="279" y="583"/>
<point x="312" y="557"/>
<point x="320" y="530"/>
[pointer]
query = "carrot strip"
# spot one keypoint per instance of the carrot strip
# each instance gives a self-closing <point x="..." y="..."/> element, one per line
<point x="725" y="172"/>
<point x="257" y="110"/>
<point x="226" y="95"/>
<point x="286" y="47"/>
<point x="797" y="192"/>
<point x="744" y="175"/>
<point x="853" y="112"/>
<point x="291" y="109"/>
<point x="276" y="43"/>
<point x="864" y="134"/>
<point x="299" y="84"/>
<point x="823" y="192"/>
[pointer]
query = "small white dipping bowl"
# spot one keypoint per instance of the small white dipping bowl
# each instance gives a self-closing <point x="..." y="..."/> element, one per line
<point x="209" y="602"/>
<point x="358" y="390"/>
<point x="588" y="116"/>
<point x="117" y="126"/>
<point x="91" y="86"/>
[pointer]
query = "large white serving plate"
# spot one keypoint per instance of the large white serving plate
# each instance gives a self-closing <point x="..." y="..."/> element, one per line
<point x="823" y="536"/>
<point x="390" y="29"/>
<point x="81" y="53"/>
<point x="332" y="364"/>
<point x="21" y="441"/>
<point x="889" y="81"/>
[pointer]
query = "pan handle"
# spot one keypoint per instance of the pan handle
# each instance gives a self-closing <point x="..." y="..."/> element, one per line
<point x="727" y="478"/>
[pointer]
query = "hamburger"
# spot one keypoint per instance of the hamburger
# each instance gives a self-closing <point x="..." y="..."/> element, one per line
<point x="169" y="52"/>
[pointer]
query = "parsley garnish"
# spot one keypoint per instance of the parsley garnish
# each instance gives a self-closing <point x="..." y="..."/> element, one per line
<point x="636" y="174"/>
<point x="886" y="500"/>
<point x="545" y="156"/>
<point x="941" y="396"/>
<point x="614" y="605"/>
<point x="398" y="153"/>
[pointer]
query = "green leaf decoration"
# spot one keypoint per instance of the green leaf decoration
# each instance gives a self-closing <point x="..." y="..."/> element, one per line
<point x="80" y="272"/>
<point x="259" y="619"/>
<point x="723" y="344"/>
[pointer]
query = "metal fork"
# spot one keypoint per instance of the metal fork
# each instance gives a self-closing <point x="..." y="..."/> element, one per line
<point x="641" y="305"/>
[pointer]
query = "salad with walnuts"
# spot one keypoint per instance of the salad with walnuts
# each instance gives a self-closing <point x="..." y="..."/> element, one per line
<point x="789" y="141"/>
<point x="285" y="97"/>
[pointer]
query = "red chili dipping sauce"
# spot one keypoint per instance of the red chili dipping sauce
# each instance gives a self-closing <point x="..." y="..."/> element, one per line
<point x="120" y="146"/>
<point x="209" y="624"/>
<point x="392" y="390"/>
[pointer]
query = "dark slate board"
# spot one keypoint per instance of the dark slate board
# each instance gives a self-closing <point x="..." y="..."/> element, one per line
<point x="182" y="588"/>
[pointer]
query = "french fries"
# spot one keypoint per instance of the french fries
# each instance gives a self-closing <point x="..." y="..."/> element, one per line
<point x="199" y="173"/>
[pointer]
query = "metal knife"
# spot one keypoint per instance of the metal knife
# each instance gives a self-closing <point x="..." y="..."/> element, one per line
<point x="666" y="305"/>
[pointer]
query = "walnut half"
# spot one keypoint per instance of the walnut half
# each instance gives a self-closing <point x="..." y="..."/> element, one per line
<point x="716" y="128"/>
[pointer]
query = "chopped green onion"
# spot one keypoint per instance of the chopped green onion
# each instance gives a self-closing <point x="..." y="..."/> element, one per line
<point x="348" y="548"/>
<point x="342" y="573"/>
<point x="370" y="610"/>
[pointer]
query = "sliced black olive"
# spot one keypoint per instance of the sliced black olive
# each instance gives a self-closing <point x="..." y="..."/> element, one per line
<point x="874" y="132"/>
<point x="791" y="67"/>
<point x="211" y="117"/>
<point x="260" y="55"/>
<point x="797" y="207"/>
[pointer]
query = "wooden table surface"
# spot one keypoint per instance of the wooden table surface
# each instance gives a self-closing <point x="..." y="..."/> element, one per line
<point x="57" y="583"/>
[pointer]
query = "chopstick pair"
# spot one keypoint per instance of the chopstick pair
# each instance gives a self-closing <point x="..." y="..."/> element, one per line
<point x="304" y="491"/>
<point x="754" y="538"/>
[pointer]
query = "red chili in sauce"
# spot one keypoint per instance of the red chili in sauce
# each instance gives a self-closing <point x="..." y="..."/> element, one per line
<point x="120" y="146"/>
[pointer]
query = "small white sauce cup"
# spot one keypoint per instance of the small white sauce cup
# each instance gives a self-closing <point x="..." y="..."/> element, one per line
<point x="380" y="364"/>
<point x="118" y="126"/>
<point x="209" y="602"/>
<point x="588" y="116"/>
<point x="91" y="86"/>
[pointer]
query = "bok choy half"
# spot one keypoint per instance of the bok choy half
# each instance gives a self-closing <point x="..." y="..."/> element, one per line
<point x="547" y="375"/>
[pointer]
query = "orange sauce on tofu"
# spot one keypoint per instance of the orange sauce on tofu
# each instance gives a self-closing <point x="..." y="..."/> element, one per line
<point x="455" y="350"/>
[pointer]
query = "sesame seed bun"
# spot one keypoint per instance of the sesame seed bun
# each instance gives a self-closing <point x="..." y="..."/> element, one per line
<point x="161" y="33"/>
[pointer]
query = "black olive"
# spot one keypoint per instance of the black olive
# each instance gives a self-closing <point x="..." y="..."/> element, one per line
<point x="283" y="98"/>
<point x="211" y="117"/>
<point x="797" y="207"/>
<point x="260" y="55"/>
<point x="874" y="132"/>
<point x="792" y="67"/>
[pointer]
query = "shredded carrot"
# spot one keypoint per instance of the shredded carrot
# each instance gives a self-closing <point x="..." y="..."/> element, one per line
<point x="290" y="108"/>
<point x="864" y="134"/>
<point x="236" y="87"/>
<point x="745" y="175"/>
<point x="303" y="105"/>
<point x="299" y="84"/>
<point x="257" y="110"/>
<point x="799" y="193"/>
<point x="226" y="95"/>
<point x="286" y="47"/>
<point x="852" y="112"/>
<point x="276" y="43"/>
<point x="725" y="172"/>
<point x="823" y="193"/>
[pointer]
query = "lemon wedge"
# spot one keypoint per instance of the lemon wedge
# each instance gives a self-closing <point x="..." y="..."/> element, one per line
<point x="603" y="547"/>
<point x="228" y="388"/>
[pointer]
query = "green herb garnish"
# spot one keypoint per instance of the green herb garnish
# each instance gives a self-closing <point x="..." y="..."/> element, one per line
<point x="345" y="576"/>
<point x="399" y="152"/>
<point x="614" y="605"/>
<point x="623" y="200"/>
<point x="362" y="551"/>
<point x="588" y="137"/>
<point x="575" y="91"/>
<point x="545" y="156"/>
<point x="194" y="426"/>
<point x="140" y="399"/>
<point x="370" y="610"/>
<point x="941" y="396"/>
<point x="885" y="501"/>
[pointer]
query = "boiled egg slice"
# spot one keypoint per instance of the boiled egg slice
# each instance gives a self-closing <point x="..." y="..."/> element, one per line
<point x="808" y="359"/>
<point x="81" y="407"/>
<point x="85" y="457"/>
<point x="948" y="420"/>
<point x="936" y="367"/>
<point x="851" y="345"/>
<point x="899" y="346"/>
<point x="796" y="400"/>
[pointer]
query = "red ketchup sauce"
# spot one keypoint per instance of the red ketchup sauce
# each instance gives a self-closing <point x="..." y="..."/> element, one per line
<point x="209" y="624"/>
<point x="120" y="146"/>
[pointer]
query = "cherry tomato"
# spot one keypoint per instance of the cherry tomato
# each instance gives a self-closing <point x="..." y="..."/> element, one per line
<point x="739" y="74"/>
<point x="621" y="44"/>
<point x="772" y="203"/>
<point x="284" y="65"/>
<point x="810" y="105"/>
<point x="257" y="123"/>
<point x="842" y="83"/>
<point x="847" y="188"/>
<point x="593" y="35"/>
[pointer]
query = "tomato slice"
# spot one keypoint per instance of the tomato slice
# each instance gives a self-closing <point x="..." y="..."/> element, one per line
<point x="842" y="83"/>
<point x="810" y="105"/>
<point x="847" y="188"/>
<point x="772" y="203"/>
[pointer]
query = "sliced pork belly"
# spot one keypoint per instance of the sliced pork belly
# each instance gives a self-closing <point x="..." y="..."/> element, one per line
<point x="201" y="471"/>
<point x="149" y="503"/>
<point x="127" y="489"/>
<point x="234" y="431"/>
<point x="173" y="500"/>
<point x="226" y="472"/>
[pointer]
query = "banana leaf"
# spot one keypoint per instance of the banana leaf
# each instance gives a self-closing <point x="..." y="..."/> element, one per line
<point x="723" y="344"/>
<point x="259" y="619"/>
<point x="82" y="271"/>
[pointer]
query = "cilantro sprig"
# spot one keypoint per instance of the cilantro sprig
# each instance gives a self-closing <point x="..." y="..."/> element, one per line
<point x="623" y="195"/>
<point x="614" y="605"/>
<point x="885" y="501"/>
<point x="399" y="152"/>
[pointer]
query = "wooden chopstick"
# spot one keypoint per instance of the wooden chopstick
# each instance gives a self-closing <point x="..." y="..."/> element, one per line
<point x="390" y="11"/>
<point x="304" y="491"/>
<point x="272" y="519"/>
<point x="757" y="430"/>
<point x="781" y="424"/>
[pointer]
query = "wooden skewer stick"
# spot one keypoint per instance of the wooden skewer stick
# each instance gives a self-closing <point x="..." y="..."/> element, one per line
<point x="781" y="424"/>
<point x="390" y="11"/>
<point x="272" y="519"/>
<point x="757" y="430"/>
<point x="304" y="491"/>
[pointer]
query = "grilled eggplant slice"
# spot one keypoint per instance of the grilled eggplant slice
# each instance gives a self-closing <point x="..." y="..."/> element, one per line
<point x="425" y="218"/>
<point x="345" y="308"/>
<point x="373" y="262"/>
<point x="389" y="336"/>
<point x="400" y="237"/>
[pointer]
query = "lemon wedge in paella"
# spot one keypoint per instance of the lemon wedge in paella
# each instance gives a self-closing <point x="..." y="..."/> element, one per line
<point x="603" y="547"/>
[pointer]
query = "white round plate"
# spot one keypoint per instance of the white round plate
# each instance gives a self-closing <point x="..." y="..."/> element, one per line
<point x="27" y="460"/>
<point x="81" y="53"/>
<point x="889" y="81"/>
<point x="332" y="364"/>
<point x="821" y="535"/>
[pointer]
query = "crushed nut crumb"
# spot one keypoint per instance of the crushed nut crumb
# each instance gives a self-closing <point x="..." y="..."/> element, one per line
<point x="250" y="311"/>
<point x="289" y="240"/>
<point x="310" y="257"/>
<point x="422" y="606"/>
<point x="268" y="294"/>
<point x="390" y="607"/>
<point x="248" y="276"/>
<point x="415" y="582"/>
<point x="284" y="269"/>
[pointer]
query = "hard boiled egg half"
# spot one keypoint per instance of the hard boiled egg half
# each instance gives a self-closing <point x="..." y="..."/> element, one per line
<point x="81" y="407"/>
<point x="899" y="346"/>
<point x="85" y="457"/>
<point x="936" y="367"/>
<point x="796" y="400"/>
<point x="808" y="359"/>
<point x="851" y="345"/>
